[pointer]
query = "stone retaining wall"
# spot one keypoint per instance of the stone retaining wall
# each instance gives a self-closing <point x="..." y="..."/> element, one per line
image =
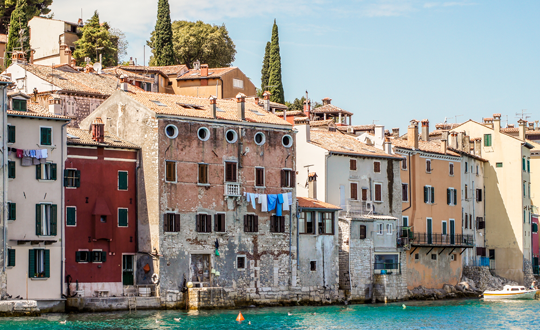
<point x="19" y="308"/>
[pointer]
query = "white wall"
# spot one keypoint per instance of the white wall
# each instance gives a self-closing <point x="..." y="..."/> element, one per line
<point x="309" y="154"/>
<point x="44" y="34"/>
<point x="26" y="81"/>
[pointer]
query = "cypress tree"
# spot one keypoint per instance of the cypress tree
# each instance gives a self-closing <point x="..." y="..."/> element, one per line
<point x="266" y="66"/>
<point x="17" y="23"/>
<point x="96" y="39"/>
<point x="162" y="44"/>
<point x="275" y="69"/>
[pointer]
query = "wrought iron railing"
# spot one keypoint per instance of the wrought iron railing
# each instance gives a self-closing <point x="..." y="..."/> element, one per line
<point x="442" y="240"/>
<point x="232" y="189"/>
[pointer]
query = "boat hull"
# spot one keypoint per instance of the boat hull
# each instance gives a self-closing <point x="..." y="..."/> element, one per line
<point x="494" y="295"/>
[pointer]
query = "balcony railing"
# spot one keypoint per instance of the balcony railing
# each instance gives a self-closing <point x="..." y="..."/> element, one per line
<point x="356" y="209"/>
<point x="232" y="189"/>
<point x="426" y="239"/>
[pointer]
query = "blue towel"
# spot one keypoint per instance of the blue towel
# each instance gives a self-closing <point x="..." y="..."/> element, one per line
<point x="272" y="201"/>
<point x="279" y="205"/>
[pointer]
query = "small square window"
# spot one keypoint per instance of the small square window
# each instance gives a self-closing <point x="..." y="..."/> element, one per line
<point x="499" y="164"/>
<point x="352" y="164"/>
<point x="203" y="174"/>
<point x="103" y="219"/>
<point x="416" y="256"/>
<point x="433" y="256"/>
<point x="259" y="177"/>
<point x="72" y="178"/>
<point x="377" y="167"/>
<point x="241" y="262"/>
<point x="313" y="265"/>
<point x="99" y="256"/>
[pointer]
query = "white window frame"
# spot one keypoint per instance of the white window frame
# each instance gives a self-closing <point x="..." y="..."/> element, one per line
<point x="245" y="262"/>
<point x="380" y="228"/>
<point x="52" y="137"/>
<point x="453" y="167"/>
<point x="44" y="170"/>
<point x="403" y="220"/>
<point x="44" y="218"/>
<point x="118" y="217"/>
<point x="444" y="227"/>
<point x="68" y="169"/>
<point x="92" y="252"/>
<point x="75" y="225"/>
<point x="199" y="174"/>
<point x="207" y="133"/>
<point x="391" y="227"/>
<point x="380" y="166"/>
<point x="263" y="139"/>
<point x="453" y="202"/>
<point x="118" y="180"/>
<point x="235" y="136"/>
<point x="175" y="131"/>
<point x="238" y="83"/>
<point x="84" y="250"/>
<point x="375" y="192"/>
<point x="283" y="142"/>
<point x="429" y="195"/>
<point x="407" y="195"/>
<point x="40" y="261"/>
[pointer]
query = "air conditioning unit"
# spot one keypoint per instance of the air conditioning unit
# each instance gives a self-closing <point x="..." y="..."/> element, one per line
<point x="350" y="129"/>
<point x="369" y="206"/>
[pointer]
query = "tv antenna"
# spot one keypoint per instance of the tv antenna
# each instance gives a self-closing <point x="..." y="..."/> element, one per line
<point x="523" y="115"/>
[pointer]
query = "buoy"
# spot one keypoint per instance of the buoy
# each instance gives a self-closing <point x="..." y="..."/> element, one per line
<point x="240" y="317"/>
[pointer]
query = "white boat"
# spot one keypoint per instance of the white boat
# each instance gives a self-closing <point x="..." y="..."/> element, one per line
<point x="510" y="292"/>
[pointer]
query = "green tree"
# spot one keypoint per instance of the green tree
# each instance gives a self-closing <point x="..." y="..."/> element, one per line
<point x="96" y="39"/>
<point x="275" y="69"/>
<point x="161" y="41"/>
<point x="265" y="66"/>
<point x="33" y="8"/>
<point x="120" y="43"/>
<point x="19" y="35"/>
<point x="297" y="104"/>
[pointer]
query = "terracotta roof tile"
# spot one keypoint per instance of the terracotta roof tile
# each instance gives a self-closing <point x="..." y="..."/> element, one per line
<point x="510" y="130"/>
<point x="433" y="146"/>
<point x="119" y="71"/>
<point x="330" y="108"/>
<point x="212" y="72"/>
<point x="84" y="137"/>
<point x="36" y="110"/>
<point x="310" y="203"/>
<point x="358" y="127"/>
<point x="296" y="113"/>
<point x="165" y="70"/>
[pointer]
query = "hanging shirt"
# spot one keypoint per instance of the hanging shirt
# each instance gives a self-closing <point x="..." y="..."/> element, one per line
<point x="272" y="201"/>
<point x="289" y="196"/>
<point x="264" y="203"/>
<point x="38" y="154"/>
<point x="279" y="204"/>
<point x="285" y="202"/>
<point x="26" y="153"/>
<point x="20" y="153"/>
<point x="32" y="153"/>
<point x="44" y="153"/>
<point x="247" y="196"/>
<point x="253" y="202"/>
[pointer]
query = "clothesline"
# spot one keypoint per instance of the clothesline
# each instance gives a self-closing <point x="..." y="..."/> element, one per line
<point x="269" y="202"/>
<point x="30" y="156"/>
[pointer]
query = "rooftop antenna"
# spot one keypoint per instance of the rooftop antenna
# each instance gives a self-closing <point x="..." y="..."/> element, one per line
<point x="523" y="115"/>
<point x="374" y="120"/>
<point x="455" y="118"/>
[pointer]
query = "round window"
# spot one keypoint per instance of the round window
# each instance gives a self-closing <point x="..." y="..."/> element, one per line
<point x="231" y="136"/>
<point x="171" y="131"/>
<point x="260" y="139"/>
<point x="203" y="133"/>
<point x="287" y="141"/>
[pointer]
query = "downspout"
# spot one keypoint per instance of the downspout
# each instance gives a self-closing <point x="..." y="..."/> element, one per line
<point x="4" y="181"/>
<point x="298" y="210"/>
<point x="62" y="252"/>
<point x="137" y="200"/>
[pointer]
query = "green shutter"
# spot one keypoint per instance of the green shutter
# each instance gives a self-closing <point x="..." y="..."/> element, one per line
<point x="455" y="197"/>
<point x="11" y="169"/>
<point x="11" y="258"/>
<point x="432" y="195"/>
<point x="523" y="163"/>
<point x="38" y="172"/>
<point x="47" y="261"/>
<point x="11" y="134"/>
<point x="71" y="216"/>
<point x="54" y="221"/>
<point x="12" y="211"/>
<point x="38" y="219"/>
<point x="528" y="165"/>
<point x="122" y="217"/>
<point x="426" y="194"/>
<point x="53" y="171"/>
<point x="31" y="263"/>
<point x="77" y="178"/>
<point x="46" y="136"/>
<point x="534" y="228"/>
<point x="66" y="173"/>
<point x="122" y="180"/>
<point x="103" y="256"/>
<point x="448" y="196"/>
<point x="78" y="256"/>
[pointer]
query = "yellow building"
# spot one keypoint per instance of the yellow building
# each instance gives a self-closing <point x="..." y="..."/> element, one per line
<point x="507" y="181"/>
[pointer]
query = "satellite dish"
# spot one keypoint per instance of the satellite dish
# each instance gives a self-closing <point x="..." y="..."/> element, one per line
<point x="97" y="67"/>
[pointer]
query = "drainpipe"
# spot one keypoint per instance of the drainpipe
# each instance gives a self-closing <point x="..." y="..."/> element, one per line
<point x="62" y="252"/>
<point x="137" y="200"/>
<point x="298" y="210"/>
<point x="4" y="181"/>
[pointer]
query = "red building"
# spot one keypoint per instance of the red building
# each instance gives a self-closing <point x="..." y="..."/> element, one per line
<point x="100" y="212"/>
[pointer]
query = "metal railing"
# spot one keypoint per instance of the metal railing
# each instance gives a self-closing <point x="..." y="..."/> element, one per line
<point x="442" y="240"/>
<point x="232" y="189"/>
<point x="387" y="268"/>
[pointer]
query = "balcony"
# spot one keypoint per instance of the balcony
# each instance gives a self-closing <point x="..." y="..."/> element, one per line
<point x="356" y="209"/>
<point x="434" y="240"/>
<point x="404" y="237"/>
<point x="232" y="189"/>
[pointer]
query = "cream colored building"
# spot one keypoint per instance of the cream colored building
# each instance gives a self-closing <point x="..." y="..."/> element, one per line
<point x="35" y="203"/>
<point x="52" y="39"/>
<point x="507" y="182"/>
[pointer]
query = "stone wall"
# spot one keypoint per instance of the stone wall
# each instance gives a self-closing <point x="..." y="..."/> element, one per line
<point x="391" y="286"/>
<point x="481" y="278"/>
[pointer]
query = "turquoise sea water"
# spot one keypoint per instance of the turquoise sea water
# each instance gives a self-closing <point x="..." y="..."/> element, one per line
<point x="458" y="314"/>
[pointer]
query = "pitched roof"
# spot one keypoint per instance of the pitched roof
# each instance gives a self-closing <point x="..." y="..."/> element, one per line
<point x="345" y="144"/>
<point x="79" y="136"/>
<point x="212" y="73"/>
<point x="165" y="70"/>
<point x="318" y="123"/>
<point x="37" y="111"/>
<point x="296" y="113"/>
<point x="189" y="106"/>
<point x="357" y="127"/>
<point x="330" y="108"/>
<point x="273" y="105"/>
<point x="310" y="203"/>
<point x="433" y="146"/>
<point x="119" y="71"/>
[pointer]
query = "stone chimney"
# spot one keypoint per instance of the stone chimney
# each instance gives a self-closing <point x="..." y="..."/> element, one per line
<point x="425" y="130"/>
<point x="131" y="61"/>
<point x="18" y="57"/>
<point x="412" y="134"/>
<point x="395" y="132"/>
<point x="55" y="104"/>
<point x="444" y="140"/>
<point x="497" y="122"/>
<point x="326" y="101"/>
<point x="466" y="143"/>
<point x="531" y="126"/>
<point x="73" y="62"/>
<point x="379" y="136"/>
<point x="488" y="122"/>
<point x="266" y="102"/>
<point x="213" y="105"/>
<point x="387" y="146"/>
<point x="312" y="185"/>
<point x="65" y="54"/>
<point x="98" y="130"/>
<point x="204" y="70"/>
<point x="459" y="141"/>
<point x="124" y="84"/>
<point x="307" y="108"/>
<point x="241" y="106"/>
<point x="522" y="128"/>
<point x="478" y="147"/>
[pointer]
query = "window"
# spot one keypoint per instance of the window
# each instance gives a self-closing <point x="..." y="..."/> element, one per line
<point x="326" y="223"/>
<point x="203" y="174"/>
<point x="46" y="219"/>
<point x="251" y="223"/>
<point x="11" y="258"/>
<point x="354" y="191"/>
<point x="71" y="216"/>
<point x="287" y="141"/>
<point x="313" y="266"/>
<point x="466" y="221"/>
<point x="480" y="223"/>
<point x="170" y="171"/>
<point x="405" y="192"/>
<point x="492" y="254"/>
<point x="389" y="228"/>
<point x="428" y="165"/>
<point x="528" y="165"/>
<point x="499" y="164"/>
<point x="39" y="263"/>
<point x="122" y="217"/>
<point x="444" y="228"/>
<point x="103" y="218"/>
<point x="277" y="224"/>
<point x="11" y="134"/>
<point x="478" y="195"/>
<point x="219" y="222"/>
<point x="203" y="223"/>
<point x="466" y="167"/>
<point x="288" y="178"/>
<point x="352" y="164"/>
<point x="377" y="167"/>
<point x="386" y="261"/>
<point x="477" y="170"/>
<point x="12" y="211"/>
<point x="524" y="189"/>
<point x="46" y="136"/>
<point x="429" y="194"/>
<point x="433" y="256"/>
<point x="99" y="256"/>
<point x="203" y="133"/>
<point x="466" y="191"/>
<point x="451" y="196"/>
<point x="364" y="194"/>
<point x="72" y="178"/>
<point x="240" y="262"/>
<point x="171" y="222"/>
<point x="363" y="232"/>
<point x="11" y="169"/>
<point x="46" y="171"/>
<point x="451" y="169"/>
<point x="378" y="192"/>
<point x="416" y="256"/>
<point x="524" y="164"/>
<point x="380" y="228"/>
<point x="19" y="105"/>
<point x="259" y="177"/>
<point x="171" y="131"/>
<point x="405" y="221"/>
<point x="404" y="164"/>
<point x="230" y="171"/>
<point x="237" y="83"/>
<point x="305" y="223"/>
<point x="487" y="140"/>
<point x="259" y="138"/>
<point x="82" y="256"/>
<point x="231" y="136"/>
<point x="122" y="180"/>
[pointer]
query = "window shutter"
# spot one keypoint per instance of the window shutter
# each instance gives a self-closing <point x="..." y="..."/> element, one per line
<point x="77" y="178"/>
<point x="38" y="172"/>
<point x="177" y="222"/>
<point x="122" y="180"/>
<point x="208" y="223"/>
<point x="283" y="178"/>
<point x="49" y="138"/>
<point x="53" y="171"/>
<point x="47" y="262"/>
<point x="362" y="231"/>
<point x="282" y="224"/>
<point x="103" y="256"/>
<point x="354" y="191"/>
<point x="66" y="173"/>
<point x="455" y="196"/>
<point x="234" y="178"/>
<point x="38" y="219"/>
<point x="11" y="169"/>
<point x="12" y="211"/>
<point x="246" y="227"/>
<point x="11" y="134"/>
<point x="222" y="220"/>
<point x="165" y="227"/>
<point x="54" y="212"/>
<point x="256" y="223"/>
<point x="272" y="224"/>
<point x="378" y="192"/>
<point x="426" y="194"/>
<point x="11" y="257"/>
<point x="198" y="224"/>
<point x="122" y="218"/>
<point x="70" y="218"/>
<point x="432" y="195"/>
<point x="448" y="196"/>
<point x="31" y="263"/>
<point x="293" y="179"/>
<point x="216" y="222"/>
<point x="78" y="256"/>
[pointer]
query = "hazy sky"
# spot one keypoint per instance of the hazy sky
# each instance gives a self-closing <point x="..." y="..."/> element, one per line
<point x="387" y="61"/>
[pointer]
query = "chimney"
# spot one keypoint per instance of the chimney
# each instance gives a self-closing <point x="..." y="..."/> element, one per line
<point x="204" y="70"/>
<point x="459" y="141"/>
<point x="214" y="106"/>
<point x="412" y="134"/>
<point x="55" y="106"/>
<point x="312" y="185"/>
<point x="124" y="84"/>
<point x="73" y="62"/>
<point x="425" y="130"/>
<point x="326" y="101"/>
<point x="488" y="122"/>
<point x="444" y="142"/>
<point x="241" y="106"/>
<point x="379" y="137"/>
<point x="308" y="131"/>
<point x="131" y="61"/>
<point x="266" y="102"/>
<point x="478" y="147"/>
<point x="497" y="122"/>
<point x="98" y="130"/>
<point x="395" y="132"/>
<point x="65" y="54"/>
<point x="522" y="129"/>
<point x="17" y="57"/>
<point x="466" y="143"/>
<point x="387" y="146"/>
<point x="80" y="22"/>
<point x="307" y="108"/>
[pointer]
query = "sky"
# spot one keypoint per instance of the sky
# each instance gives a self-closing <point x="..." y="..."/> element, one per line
<point x="387" y="61"/>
